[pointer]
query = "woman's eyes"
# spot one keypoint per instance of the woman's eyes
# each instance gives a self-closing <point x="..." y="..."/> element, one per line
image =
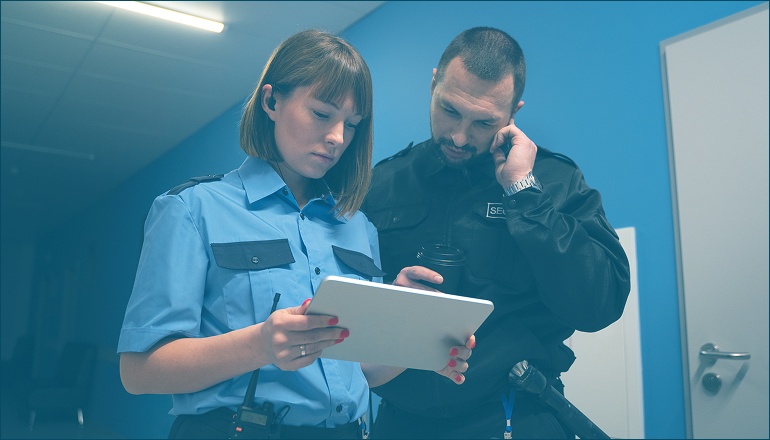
<point x="324" y="116"/>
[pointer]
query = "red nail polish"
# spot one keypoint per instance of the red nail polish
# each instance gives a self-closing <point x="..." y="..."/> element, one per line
<point x="339" y="340"/>
<point x="453" y="352"/>
<point x="474" y="345"/>
<point x="306" y="301"/>
<point x="333" y="321"/>
<point x="452" y="363"/>
<point x="458" y="378"/>
<point x="345" y="333"/>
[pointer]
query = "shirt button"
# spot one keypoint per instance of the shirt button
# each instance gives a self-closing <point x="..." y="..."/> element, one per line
<point x="254" y="260"/>
<point x="339" y="408"/>
<point x="302" y="216"/>
<point x="512" y="204"/>
<point x="396" y="219"/>
<point x="286" y="193"/>
<point x="317" y="270"/>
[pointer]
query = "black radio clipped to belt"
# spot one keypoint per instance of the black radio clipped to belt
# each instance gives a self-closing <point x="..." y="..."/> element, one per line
<point x="253" y="421"/>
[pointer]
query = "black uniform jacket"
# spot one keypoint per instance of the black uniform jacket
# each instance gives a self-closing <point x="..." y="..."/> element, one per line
<point x="549" y="261"/>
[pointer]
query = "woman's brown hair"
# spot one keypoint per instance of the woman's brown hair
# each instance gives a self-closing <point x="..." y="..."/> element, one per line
<point x="333" y="70"/>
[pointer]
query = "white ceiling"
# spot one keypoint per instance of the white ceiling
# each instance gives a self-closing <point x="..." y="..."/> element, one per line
<point x="91" y="93"/>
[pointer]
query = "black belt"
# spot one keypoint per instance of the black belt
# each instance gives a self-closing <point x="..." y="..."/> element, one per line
<point x="216" y="423"/>
<point x="348" y="431"/>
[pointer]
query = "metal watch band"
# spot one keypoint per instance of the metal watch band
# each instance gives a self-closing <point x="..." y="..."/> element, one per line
<point x="527" y="182"/>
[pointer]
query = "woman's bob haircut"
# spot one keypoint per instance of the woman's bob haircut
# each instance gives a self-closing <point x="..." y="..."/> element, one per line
<point x="334" y="71"/>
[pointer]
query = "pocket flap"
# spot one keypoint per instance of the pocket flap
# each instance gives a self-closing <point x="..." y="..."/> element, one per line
<point x="358" y="262"/>
<point x="252" y="255"/>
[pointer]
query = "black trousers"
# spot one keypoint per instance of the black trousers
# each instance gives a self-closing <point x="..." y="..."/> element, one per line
<point x="216" y="424"/>
<point x="529" y="420"/>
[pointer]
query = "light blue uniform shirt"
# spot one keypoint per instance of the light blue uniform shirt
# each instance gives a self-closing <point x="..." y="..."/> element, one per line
<point x="213" y="258"/>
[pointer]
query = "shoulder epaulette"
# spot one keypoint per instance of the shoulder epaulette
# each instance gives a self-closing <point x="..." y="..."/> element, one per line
<point x="401" y="153"/>
<point x="548" y="152"/>
<point x="192" y="182"/>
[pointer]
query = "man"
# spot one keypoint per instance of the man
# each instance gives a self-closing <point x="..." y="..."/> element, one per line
<point x="536" y="239"/>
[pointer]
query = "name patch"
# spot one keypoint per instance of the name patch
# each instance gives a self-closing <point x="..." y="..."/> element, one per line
<point x="495" y="210"/>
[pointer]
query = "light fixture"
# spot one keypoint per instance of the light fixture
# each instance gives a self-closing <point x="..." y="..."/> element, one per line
<point x="167" y="14"/>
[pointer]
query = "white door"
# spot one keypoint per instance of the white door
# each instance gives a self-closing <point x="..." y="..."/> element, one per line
<point x="605" y="382"/>
<point x="717" y="109"/>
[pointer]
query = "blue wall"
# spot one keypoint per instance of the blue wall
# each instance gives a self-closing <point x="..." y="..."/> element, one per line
<point x="593" y="92"/>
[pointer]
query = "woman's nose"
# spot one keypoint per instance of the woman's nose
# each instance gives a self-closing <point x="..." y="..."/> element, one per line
<point x="336" y="135"/>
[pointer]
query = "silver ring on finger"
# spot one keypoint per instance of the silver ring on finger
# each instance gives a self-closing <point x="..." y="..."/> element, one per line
<point x="302" y="351"/>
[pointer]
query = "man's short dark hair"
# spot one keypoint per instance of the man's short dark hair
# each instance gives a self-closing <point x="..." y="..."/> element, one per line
<point x="489" y="54"/>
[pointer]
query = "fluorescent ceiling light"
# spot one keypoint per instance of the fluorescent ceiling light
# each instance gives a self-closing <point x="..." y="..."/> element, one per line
<point x="167" y="14"/>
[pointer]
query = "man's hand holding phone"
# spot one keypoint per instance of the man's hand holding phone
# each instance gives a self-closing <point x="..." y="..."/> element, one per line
<point x="520" y="159"/>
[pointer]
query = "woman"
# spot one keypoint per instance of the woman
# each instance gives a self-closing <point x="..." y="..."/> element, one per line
<point x="219" y="250"/>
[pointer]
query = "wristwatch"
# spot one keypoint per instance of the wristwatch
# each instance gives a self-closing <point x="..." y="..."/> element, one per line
<point x="528" y="182"/>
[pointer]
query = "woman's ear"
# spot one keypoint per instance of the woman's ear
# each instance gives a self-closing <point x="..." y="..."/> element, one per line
<point x="268" y="101"/>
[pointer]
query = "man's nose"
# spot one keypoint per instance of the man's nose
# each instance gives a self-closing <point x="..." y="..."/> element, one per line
<point x="460" y="136"/>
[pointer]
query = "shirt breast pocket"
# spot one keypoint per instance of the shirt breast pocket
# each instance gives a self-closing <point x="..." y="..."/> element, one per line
<point x="402" y="232"/>
<point x="354" y="264"/>
<point x="252" y="272"/>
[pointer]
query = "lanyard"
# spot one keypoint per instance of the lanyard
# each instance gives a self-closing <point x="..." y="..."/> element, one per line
<point x="508" y="406"/>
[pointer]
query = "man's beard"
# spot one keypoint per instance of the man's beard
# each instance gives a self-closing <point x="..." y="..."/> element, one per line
<point x="452" y="162"/>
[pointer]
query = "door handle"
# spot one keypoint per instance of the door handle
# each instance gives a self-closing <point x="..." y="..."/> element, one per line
<point x="710" y="354"/>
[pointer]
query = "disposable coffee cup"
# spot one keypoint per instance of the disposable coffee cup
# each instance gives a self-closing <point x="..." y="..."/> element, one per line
<point x="445" y="260"/>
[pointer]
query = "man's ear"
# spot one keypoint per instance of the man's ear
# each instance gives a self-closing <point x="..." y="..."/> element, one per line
<point x="518" y="107"/>
<point x="433" y="81"/>
<point x="268" y="101"/>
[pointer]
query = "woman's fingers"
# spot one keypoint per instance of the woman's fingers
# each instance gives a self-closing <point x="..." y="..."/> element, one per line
<point x="315" y="348"/>
<point x="460" y="352"/>
<point x="454" y="370"/>
<point x="298" y="339"/>
<point x="457" y="364"/>
<point x="292" y="358"/>
<point x="299" y="362"/>
<point x="290" y="345"/>
<point x="294" y="319"/>
<point x="318" y="339"/>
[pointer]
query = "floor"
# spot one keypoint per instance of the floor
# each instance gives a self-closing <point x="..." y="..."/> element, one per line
<point x="48" y="426"/>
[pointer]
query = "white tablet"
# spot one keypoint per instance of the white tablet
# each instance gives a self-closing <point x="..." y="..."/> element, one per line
<point x="397" y="326"/>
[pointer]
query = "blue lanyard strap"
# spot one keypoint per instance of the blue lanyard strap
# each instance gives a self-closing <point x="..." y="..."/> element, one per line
<point x="508" y="406"/>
